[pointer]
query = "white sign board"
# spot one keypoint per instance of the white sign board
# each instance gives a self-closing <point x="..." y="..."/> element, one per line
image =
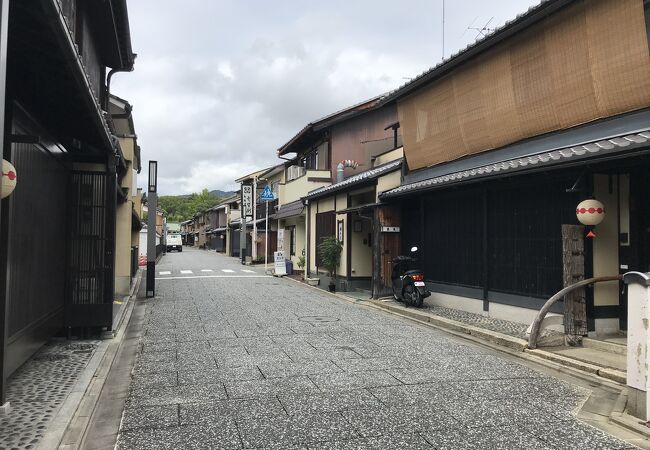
<point x="280" y="265"/>
<point x="247" y="200"/>
<point x="281" y="239"/>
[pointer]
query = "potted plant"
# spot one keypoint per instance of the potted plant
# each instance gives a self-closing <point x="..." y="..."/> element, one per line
<point x="301" y="265"/>
<point x="330" y="254"/>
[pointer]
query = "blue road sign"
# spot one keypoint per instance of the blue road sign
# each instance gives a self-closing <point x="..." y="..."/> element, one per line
<point x="267" y="194"/>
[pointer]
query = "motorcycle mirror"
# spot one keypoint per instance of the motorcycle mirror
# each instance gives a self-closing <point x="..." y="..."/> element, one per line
<point x="414" y="249"/>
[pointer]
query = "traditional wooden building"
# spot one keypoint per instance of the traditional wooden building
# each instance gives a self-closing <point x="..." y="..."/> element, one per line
<point x="325" y="152"/>
<point x="57" y="229"/>
<point x="506" y="138"/>
<point x="128" y="220"/>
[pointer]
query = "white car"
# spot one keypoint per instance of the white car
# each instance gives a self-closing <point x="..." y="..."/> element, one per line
<point x="174" y="242"/>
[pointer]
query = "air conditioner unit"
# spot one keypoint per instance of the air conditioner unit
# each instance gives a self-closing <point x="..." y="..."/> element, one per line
<point x="295" y="172"/>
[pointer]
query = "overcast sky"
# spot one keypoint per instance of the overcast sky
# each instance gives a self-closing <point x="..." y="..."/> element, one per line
<point x="220" y="85"/>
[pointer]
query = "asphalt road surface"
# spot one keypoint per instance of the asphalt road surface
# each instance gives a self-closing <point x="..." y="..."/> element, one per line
<point x="231" y="358"/>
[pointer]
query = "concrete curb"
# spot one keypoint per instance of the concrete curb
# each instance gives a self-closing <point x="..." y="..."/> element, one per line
<point x="67" y="429"/>
<point x="621" y="418"/>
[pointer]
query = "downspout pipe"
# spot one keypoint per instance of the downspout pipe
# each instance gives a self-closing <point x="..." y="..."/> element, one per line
<point x="341" y="167"/>
<point x="109" y="77"/>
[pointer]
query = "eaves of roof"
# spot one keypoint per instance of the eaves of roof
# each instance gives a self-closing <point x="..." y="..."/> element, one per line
<point x="287" y="210"/>
<point x="318" y="125"/>
<point x="252" y="175"/>
<point x="80" y="74"/>
<point x="524" y="20"/>
<point x="355" y="180"/>
<point x="608" y="146"/>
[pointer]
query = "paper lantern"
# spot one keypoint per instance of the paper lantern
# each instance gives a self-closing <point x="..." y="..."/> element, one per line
<point x="9" y="178"/>
<point x="590" y="212"/>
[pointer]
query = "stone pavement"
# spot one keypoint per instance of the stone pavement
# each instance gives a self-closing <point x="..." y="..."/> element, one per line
<point x="258" y="362"/>
<point x="39" y="388"/>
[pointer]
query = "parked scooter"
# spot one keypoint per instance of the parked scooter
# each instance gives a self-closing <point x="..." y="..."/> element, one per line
<point x="408" y="283"/>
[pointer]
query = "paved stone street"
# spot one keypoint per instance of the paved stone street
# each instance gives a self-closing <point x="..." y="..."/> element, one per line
<point x="232" y="359"/>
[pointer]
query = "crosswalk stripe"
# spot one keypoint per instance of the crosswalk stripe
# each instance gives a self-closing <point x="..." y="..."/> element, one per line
<point x="213" y="276"/>
<point x="206" y="270"/>
<point x="165" y="272"/>
<point x="186" y="271"/>
<point x="227" y="270"/>
<point x="248" y="271"/>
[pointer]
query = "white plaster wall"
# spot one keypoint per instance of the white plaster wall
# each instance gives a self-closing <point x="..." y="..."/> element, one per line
<point x="453" y="301"/>
<point x="606" y="242"/>
<point x="606" y="326"/>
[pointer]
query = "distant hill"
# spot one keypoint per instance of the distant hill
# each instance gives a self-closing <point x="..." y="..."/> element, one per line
<point x="182" y="207"/>
<point x="222" y="194"/>
<point x="215" y="193"/>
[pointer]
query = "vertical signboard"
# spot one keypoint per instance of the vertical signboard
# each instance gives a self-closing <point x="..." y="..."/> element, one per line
<point x="247" y="201"/>
<point x="246" y="216"/>
<point x="280" y="264"/>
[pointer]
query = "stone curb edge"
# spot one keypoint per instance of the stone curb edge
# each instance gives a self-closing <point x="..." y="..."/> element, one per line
<point x="69" y="424"/>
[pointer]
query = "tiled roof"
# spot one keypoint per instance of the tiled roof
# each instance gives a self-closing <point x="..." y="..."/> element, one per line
<point x="356" y="179"/>
<point x="289" y="210"/>
<point x="542" y="159"/>
<point x="310" y="127"/>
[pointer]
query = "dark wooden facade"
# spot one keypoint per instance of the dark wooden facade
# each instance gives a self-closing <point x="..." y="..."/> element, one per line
<point x="57" y="243"/>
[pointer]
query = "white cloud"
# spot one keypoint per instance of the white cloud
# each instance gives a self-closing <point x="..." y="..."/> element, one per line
<point x="219" y="86"/>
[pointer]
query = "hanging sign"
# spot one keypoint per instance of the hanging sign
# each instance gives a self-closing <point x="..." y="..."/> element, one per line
<point x="267" y="194"/>
<point x="9" y="178"/>
<point x="247" y="200"/>
<point x="279" y="263"/>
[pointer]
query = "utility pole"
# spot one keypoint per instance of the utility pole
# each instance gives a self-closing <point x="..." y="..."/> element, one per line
<point x="254" y="237"/>
<point x="266" y="239"/>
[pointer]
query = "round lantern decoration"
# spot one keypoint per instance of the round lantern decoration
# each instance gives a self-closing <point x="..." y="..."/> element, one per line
<point x="590" y="212"/>
<point x="9" y="178"/>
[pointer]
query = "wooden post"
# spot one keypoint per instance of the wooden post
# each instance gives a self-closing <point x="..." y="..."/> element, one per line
<point x="4" y="304"/>
<point x="573" y="263"/>
<point x="376" y="254"/>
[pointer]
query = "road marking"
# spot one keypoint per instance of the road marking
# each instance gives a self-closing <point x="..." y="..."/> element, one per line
<point x="206" y="270"/>
<point x="228" y="270"/>
<point x="186" y="271"/>
<point x="165" y="272"/>
<point x="214" y="276"/>
<point x="248" y="271"/>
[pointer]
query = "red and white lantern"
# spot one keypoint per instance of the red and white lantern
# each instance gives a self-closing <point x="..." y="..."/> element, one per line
<point x="590" y="212"/>
<point x="9" y="179"/>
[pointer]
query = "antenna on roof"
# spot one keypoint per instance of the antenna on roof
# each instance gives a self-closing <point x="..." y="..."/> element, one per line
<point x="483" y="31"/>
<point x="443" y="29"/>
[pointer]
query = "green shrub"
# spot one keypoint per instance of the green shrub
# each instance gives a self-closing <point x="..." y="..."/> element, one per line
<point x="330" y="254"/>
